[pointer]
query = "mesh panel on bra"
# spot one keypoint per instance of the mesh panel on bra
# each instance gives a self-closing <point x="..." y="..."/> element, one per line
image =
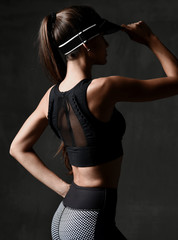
<point x="69" y="125"/>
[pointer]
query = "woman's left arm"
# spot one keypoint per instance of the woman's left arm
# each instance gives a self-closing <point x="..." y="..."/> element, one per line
<point x="22" y="148"/>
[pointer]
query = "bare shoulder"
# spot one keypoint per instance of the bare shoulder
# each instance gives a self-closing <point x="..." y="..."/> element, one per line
<point x="44" y="103"/>
<point x="98" y="97"/>
<point x="105" y="83"/>
<point x="97" y="87"/>
<point x="102" y="88"/>
<point x="97" y="83"/>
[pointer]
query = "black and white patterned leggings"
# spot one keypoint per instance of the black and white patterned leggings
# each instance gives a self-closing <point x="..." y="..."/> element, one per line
<point x="86" y="213"/>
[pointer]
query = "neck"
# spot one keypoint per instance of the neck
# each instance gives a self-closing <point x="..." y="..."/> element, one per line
<point x="77" y="70"/>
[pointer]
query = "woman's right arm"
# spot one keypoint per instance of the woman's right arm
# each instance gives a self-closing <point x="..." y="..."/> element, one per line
<point x="119" y="88"/>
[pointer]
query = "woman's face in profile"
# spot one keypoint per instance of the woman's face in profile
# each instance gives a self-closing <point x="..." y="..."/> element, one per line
<point x="98" y="46"/>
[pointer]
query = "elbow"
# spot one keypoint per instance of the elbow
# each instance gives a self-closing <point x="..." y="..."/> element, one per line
<point x="16" y="150"/>
<point x="12" y="150"/>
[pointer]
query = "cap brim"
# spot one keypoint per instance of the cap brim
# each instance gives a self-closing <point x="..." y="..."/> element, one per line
<point x="107" y="27"/>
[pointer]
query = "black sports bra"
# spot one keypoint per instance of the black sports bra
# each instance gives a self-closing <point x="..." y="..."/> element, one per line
<point x="88" y="141"/>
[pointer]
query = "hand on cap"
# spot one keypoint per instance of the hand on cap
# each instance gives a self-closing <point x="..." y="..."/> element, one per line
<point x="138" y="31"/>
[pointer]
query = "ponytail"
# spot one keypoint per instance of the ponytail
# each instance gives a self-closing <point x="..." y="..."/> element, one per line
<point x="62" y="149"/>
<point x="51" y="58"/>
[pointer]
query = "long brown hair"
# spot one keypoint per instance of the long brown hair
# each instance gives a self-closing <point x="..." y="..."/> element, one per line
<point x="55" y="30"/>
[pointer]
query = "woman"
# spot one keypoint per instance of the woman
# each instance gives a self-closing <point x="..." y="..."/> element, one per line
<point x="82" y="113"/>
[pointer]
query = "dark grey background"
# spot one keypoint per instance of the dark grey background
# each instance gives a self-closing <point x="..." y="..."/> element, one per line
<point x="148" y="189"/>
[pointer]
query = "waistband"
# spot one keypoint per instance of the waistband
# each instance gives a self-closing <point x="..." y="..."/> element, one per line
<point x="79" y="197"/>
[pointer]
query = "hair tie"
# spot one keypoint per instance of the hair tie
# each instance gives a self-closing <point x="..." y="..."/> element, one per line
<point x="53" y="17"/>
<point x="50" y="26"/>
<point x="51" y="21"/>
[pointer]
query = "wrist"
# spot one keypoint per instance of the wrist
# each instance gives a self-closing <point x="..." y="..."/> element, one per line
<point x="152" y="41"/>
<point x="64" y="190"/>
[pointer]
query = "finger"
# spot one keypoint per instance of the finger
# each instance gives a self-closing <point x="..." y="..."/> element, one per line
<point x="125" y="27"/>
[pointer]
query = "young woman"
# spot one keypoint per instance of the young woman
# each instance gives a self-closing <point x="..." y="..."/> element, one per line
<point x="81" y="111"/>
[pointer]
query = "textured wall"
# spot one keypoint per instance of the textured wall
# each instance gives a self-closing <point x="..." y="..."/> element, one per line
<point x="148" y="189"/>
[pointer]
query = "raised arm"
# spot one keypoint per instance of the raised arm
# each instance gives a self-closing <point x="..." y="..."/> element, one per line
<point x="22" y="148"/>
<point x="119" y="88"/>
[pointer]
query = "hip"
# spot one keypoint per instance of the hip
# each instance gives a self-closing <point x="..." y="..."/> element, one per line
<point x="87" y="213"/>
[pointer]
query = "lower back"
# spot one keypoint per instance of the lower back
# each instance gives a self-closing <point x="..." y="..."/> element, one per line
<point x="103" y="175"/>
